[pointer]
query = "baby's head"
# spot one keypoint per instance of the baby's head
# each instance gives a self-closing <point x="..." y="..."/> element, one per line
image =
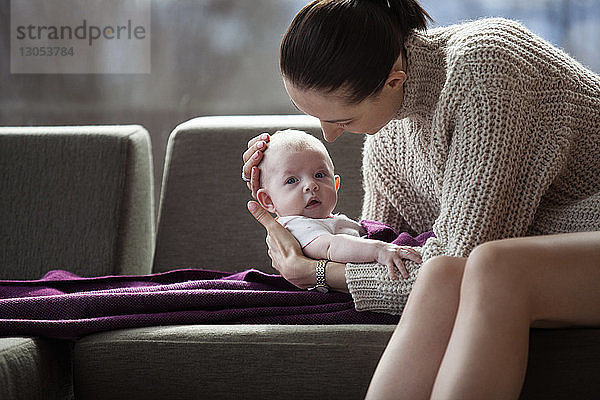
<point x="297" y="176"/>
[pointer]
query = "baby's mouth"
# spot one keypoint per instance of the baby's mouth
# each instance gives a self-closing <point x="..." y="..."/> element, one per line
<point x="312" y="203"/>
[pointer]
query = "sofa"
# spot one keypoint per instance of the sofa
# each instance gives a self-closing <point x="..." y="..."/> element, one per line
<point x="77" y="198"/>
<point x="202" y="223"/>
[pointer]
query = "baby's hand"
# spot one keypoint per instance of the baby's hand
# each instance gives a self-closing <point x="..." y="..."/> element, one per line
<point x="391" y="256"/>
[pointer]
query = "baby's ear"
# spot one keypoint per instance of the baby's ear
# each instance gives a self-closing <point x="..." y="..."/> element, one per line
<point x="265" y="200"/>
<point x="337" y="182"/>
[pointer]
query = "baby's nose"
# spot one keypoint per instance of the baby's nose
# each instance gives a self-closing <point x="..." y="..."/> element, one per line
<point x="311" y="186"/>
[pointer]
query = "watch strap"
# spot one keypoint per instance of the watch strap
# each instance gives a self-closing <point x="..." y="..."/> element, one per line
<point x="321" y="285"/>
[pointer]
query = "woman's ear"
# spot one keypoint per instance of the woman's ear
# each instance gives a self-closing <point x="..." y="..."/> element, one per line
<point x="265" y="200"/>
<point x="397" y="75"/>
<point x="337" y="182"/>
<point x="396" y="79"/>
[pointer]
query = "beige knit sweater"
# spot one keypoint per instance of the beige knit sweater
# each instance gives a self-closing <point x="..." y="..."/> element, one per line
<point x="498" y="136"/>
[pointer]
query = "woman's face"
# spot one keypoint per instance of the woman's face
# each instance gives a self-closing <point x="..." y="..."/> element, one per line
<point x="337" y="116"/>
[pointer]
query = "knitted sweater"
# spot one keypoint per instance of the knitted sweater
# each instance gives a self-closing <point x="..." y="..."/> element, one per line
<point x="498" y="136"/>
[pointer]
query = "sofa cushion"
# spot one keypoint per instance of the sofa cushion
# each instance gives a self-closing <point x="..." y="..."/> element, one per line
<point x="203" y="220"/>
<point x="34" y="368"/>
<point x="293" y="362"/>
<point x="77" y="198"/>
<point x="230" y="362"/>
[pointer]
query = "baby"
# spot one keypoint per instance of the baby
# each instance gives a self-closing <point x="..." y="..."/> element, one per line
<point x="298" y="184"/>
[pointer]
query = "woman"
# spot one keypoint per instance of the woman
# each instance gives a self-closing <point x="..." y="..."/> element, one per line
<point x="480" y="131"/>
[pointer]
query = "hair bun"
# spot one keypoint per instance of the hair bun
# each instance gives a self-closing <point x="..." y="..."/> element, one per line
<point x="349" y="44"/>
<point x="405" y="12"/>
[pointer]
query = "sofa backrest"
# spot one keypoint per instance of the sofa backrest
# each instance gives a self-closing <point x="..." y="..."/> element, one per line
<point x="78" y="198"/>
<point x="203" y="220"/>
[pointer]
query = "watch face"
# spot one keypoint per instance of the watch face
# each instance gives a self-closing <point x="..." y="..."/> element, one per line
<point x="322" y="289"/>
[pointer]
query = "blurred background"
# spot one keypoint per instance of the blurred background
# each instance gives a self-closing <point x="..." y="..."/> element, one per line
<point x="220" y="57"/>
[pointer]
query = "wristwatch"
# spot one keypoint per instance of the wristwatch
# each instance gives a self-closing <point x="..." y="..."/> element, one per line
<point x="321" y="285"/>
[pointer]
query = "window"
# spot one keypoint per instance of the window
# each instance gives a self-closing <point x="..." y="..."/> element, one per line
<point x="217" y="57"/>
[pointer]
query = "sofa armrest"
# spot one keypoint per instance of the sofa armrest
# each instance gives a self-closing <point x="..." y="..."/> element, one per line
<point x="78" y="198"/>
<point x="35" y="368"/>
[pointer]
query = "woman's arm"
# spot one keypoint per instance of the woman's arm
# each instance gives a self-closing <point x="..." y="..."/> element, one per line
<point x="335" y="276"/>
<point x="499" y="165"/>
<point x="370" y="285"/>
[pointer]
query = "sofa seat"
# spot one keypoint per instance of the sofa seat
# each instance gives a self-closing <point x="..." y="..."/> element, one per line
<point x="35" y="368"/>
<point x="229" y="362"/>
<point x="291" y="362"/>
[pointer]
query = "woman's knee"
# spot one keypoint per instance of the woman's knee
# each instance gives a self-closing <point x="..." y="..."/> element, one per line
<point x="493" y="266"/>
<point x="438" y="278"/>
<point x="441" y="270"/>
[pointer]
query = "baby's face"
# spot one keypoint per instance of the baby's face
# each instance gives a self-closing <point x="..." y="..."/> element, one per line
<point x="301" y="183"/>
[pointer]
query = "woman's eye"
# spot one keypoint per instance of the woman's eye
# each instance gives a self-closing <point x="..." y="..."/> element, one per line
<point x="320" y="175"/>
<point x="290" y="181"/>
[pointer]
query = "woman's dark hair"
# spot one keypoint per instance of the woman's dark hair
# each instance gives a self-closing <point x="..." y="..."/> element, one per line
<point x="348" y="44"/>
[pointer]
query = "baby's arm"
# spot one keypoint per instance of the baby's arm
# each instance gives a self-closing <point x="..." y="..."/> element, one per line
<point x="346" y="248"/>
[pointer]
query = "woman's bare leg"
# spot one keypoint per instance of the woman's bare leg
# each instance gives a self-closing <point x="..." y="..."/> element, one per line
<point x="508" y="286"/>
<point x="411" y="360"/>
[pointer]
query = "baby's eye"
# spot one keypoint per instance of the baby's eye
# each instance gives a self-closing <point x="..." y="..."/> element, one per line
<point x="320" y="175"/>
<point x="291" y="181"/>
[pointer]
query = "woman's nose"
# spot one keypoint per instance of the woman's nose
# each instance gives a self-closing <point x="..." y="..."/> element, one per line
<point x="330" y="131"/>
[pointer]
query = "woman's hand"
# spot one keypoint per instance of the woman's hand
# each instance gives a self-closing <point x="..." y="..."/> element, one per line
<point x="285" y="251"/>
<point x="252" y="157"/>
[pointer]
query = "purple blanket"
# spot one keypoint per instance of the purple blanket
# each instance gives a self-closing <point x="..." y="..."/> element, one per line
<point x="380" y="231"/>
<point x="66" y="306"/>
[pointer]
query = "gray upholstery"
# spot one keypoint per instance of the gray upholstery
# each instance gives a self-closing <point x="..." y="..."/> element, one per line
<point x="75" y="198"/>
<point x="292" y="362"/>
<point x="229" y="362"/>
<point x="203" y="220"/>
<point x="34" y="368"/>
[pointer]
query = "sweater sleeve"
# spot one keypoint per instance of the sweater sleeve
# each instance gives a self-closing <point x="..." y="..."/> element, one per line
<point x="499" y="163"/>
<point x="373" y="290"/>
<point x="369" y="283"/>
